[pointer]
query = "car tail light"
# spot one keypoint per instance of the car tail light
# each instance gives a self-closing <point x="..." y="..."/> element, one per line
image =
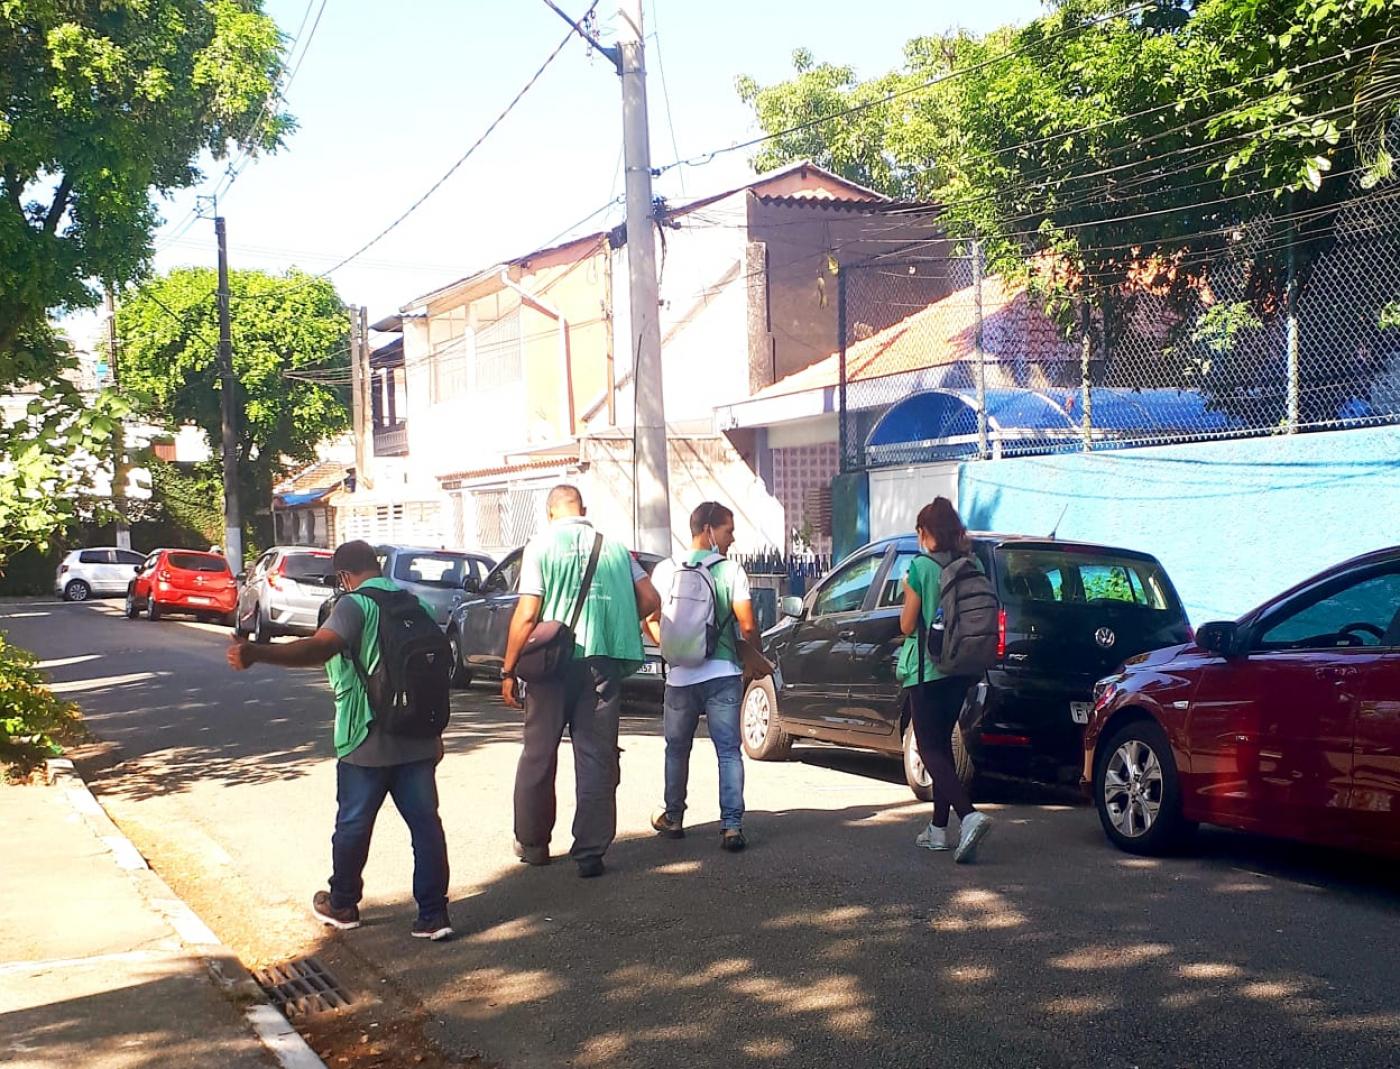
<point x="274" y="577"/>
<point x="1001" y="634"/>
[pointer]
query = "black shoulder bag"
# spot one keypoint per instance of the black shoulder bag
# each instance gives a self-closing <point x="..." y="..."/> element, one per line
<point x="550" y="647"/>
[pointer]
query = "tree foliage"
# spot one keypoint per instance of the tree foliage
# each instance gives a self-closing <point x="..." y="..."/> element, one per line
<point x="168" y="332"/>
<point x="102" y="103"/>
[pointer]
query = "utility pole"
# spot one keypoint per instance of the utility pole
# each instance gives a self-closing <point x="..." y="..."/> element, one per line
<point x="652" y="489"/>
<point x="119" y="465"/>
<point x="979" y="347"/>
<point x="228" y="408"/>
<point x="364" y="444"/>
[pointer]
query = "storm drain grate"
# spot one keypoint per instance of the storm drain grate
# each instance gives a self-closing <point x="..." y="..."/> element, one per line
<point x="302" y="987"/>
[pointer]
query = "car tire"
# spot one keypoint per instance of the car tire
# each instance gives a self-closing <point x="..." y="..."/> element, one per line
<point x="917" y="776"/>
<point x="1137" y="790"/>
<point x="261" y="633"/>
<point x="152" y="609"/>
<point x="461" y="678"/>
<point x="129" y="610"/>
<point x="764" y="738"/>
<point x="77" y="590"/>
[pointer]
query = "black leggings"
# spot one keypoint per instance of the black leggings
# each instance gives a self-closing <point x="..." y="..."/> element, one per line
<point x="934" y="708"/>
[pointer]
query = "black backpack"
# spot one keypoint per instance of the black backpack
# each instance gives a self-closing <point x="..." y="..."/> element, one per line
<point x="966" y="644"/>
<point x="410" y="688"/>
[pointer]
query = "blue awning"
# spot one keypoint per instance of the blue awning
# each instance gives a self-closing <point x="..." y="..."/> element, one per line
<point x="307" y="497"/>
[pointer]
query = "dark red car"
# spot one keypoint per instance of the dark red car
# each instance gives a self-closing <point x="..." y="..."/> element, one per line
<point x="1285" y="722"/>
<point x="184" y="581"/>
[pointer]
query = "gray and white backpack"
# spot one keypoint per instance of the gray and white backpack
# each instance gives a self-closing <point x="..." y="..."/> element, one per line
<point x="689" y="631"/>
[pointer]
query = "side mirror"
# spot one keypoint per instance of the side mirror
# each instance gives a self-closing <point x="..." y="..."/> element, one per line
<point x="241" y="577"/>
<point x="1222" y="637"/>
<point x="471" y="584"/>
<point x="136" y="569"/>
<point x="792" y="607"/>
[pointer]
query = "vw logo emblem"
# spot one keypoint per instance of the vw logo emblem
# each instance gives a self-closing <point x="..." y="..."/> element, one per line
<point x="1105" y="637"/>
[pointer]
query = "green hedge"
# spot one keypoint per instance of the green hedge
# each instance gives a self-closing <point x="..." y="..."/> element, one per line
<point x="34" y="724"/>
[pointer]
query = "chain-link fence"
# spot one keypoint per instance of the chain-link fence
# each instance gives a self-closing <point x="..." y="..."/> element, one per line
<point x="988" y="371"/>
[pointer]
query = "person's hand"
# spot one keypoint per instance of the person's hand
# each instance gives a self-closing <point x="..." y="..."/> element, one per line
<point x="510" y="691"/>
<point x="240" y="654"/>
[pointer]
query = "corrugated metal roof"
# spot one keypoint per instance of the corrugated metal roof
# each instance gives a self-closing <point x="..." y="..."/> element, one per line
<point x="554" y="464"/>
<point x="322" y="475"/>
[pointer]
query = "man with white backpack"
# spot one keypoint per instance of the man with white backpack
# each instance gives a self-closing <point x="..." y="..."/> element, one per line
<point x="706" y="610"/>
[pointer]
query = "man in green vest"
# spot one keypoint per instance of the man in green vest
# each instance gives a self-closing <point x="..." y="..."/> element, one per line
<point x="372" y="764"/>
<point x="587" y="698"/>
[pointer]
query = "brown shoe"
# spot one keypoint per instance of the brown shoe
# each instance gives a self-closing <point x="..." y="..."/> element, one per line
<point x="732" y="840"/>
<point x="668" y="826"/>
<point x="532" y="855"/>
<point x="344" y="919"/>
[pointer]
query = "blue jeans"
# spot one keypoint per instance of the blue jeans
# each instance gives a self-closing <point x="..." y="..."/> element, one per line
<point x="719" y="700"/>
<point x="359" y="792"/>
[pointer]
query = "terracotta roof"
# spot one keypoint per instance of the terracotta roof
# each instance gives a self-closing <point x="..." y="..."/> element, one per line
<point x="552" y="464"/>
<point x="321" y="475"/>
<point x="942" y="333"/>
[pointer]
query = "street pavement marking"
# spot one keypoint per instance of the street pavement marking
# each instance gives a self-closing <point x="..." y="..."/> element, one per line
<point x="77" y="686"/>
<point x="64" y="662"/>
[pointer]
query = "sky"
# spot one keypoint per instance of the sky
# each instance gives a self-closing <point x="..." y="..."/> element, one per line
<point x="387" y="97"/>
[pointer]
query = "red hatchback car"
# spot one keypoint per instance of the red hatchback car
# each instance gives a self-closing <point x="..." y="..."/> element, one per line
<point x="1285" y="722"/>
<point x="185" y="581"/>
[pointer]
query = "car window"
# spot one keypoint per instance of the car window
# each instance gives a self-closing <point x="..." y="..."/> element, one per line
<point x="892" y="590"/>
<point x="845" y="591"/>
<point x="95" y="556"/>
<point x="431" y="569"/>
<point x="1054" y="576"/>
<point x="127" y="556"/>
<point x="506" y="577"/>
<point x="306" y="567"/>
<point x="198" y="562"/>
<point x="150" y="562"/>
<point x="263" y="563"/>
<point x="1362" y="612"/>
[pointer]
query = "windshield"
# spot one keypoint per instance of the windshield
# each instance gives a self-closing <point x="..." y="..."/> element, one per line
<point x="307" y="567"/>
<point x="432" y="569"/>
<point x="1093" y="578"/>
<point x="198" y="562"/>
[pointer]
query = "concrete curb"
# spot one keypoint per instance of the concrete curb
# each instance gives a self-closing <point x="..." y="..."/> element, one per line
<point x="273" y="1030"/>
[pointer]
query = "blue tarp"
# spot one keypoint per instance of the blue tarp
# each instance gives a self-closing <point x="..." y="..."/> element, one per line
<point x="305" y="498"/>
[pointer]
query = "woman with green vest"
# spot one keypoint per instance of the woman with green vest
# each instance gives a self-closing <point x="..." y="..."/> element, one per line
<point x="935" y="700"/>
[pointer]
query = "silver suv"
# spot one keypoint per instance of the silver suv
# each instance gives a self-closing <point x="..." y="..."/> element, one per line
<point x="98" y="570"/>
<point x="437" y="576"/>
<point x="282" y="591"/>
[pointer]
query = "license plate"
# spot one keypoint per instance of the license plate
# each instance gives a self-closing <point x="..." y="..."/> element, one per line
<point x="196" y="600"/>
<point x="1079" y="711"/>
<point x="651" y="668"/>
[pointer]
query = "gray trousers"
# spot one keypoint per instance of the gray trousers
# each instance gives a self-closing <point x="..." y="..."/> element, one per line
<point x="587" y="701"/>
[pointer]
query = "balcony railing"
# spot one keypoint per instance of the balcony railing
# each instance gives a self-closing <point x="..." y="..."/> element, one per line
<point x="391" y="439"/>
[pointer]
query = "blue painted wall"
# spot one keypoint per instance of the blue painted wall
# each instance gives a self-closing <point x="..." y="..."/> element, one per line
<point x="1234" y="522"/>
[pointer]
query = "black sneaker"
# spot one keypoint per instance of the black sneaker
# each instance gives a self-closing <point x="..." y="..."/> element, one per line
<point x="344" y="919"/>
<point x="590" y="867"/>
<point x="435" y="928"/>
<point x="732" y="839"/>
<point x="668" y="826"/>
<point x="532" y="855"/>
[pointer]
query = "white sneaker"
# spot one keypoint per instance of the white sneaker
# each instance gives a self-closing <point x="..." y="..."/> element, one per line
<point x="932" y="838"/>
<point x="973" y="830"/>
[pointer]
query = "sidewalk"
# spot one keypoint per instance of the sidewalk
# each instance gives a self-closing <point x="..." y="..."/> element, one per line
<point x="100" y="964"/>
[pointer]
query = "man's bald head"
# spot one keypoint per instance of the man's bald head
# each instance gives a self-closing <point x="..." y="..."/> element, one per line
<point x="565" y="501"/>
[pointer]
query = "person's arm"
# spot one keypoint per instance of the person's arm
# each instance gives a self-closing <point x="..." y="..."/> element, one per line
<point x="909" y="611"/>
<point x="304" y="653"/>
<point x="748" y="623"/>
<point x="522" y="622"/>
<point x="648" y="600"/>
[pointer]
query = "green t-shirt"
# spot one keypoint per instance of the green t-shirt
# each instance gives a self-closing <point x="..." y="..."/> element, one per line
<point x="608" y="625"/>
<point x="924" y="577"/>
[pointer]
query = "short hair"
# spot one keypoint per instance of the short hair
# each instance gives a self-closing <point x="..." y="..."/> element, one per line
<point x="564" y="496"/>
<point x="355" y="558"/>
<point x="709" y="514"/>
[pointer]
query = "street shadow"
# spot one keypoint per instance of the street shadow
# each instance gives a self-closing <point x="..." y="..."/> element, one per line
<point x="833" y="941"/>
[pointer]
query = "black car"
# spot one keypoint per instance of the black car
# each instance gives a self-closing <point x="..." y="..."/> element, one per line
<point x="478" y="627"/>
<point x="1071" y="613"/>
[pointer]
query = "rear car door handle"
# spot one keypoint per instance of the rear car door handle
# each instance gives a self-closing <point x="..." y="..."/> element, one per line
<point x="1336" y="673"/>
<point x="845" y="634"/>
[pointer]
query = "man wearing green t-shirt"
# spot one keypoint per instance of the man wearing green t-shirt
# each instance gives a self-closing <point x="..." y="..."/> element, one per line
<point x="587" y="698"/>
<point x="372" y="764"/>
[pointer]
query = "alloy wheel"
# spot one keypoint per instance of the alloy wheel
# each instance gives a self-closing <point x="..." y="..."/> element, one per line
<point x="78" y="590"/>
<point x="758" y="716"/>
<point x="1133" y="788"/>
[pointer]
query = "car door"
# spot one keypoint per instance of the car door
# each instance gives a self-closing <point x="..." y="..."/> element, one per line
<point x="252" y="589"/>
<point x="99" y="570"/>
<point x="486" y="620"/>
<point x="127" y="561"/>
<point x="1375" y="792"/>
<point x="1272" y="734"/>
<point x="816" y="662"/>
<point x="141" y="584"/>
<point x="875" y="691"/>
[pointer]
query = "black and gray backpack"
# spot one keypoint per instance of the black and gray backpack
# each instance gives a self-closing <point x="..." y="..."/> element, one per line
<point x="410" y="688"/>
<point x="966" y="644"/>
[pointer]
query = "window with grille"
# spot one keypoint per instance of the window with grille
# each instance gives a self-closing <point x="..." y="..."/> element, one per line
<point x="497" y="352"/>
<point x="450" y="370"/>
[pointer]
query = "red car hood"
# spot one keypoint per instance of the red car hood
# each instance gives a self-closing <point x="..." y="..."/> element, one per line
<point x="1156" y="658"/>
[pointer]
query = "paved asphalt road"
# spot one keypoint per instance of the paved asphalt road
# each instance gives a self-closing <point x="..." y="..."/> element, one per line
<point x="832" y="941"/>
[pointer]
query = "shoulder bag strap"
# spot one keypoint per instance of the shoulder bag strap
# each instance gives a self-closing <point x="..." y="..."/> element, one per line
<point x="587" y="582"/>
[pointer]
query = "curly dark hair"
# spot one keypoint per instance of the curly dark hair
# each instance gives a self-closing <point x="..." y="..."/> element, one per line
<point x="940" y="521"/>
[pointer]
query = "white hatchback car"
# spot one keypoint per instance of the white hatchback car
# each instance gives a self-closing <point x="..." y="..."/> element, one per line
<point x="94" y="572"/>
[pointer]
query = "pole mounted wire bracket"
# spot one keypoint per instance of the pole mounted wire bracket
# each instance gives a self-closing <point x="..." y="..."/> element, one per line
<point x="611" y="52"/>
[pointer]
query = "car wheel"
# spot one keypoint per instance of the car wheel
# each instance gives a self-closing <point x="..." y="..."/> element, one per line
<point x="764" y="738"/>
<point x="1137" y="790"/>
<point x="260" y="633"/>
<point x="460" y="678"/>
<point x="130" y="609"/>
<point x="152" y="609"/>
<point x="917" y="775"/>
<point x="77" y="590"/>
